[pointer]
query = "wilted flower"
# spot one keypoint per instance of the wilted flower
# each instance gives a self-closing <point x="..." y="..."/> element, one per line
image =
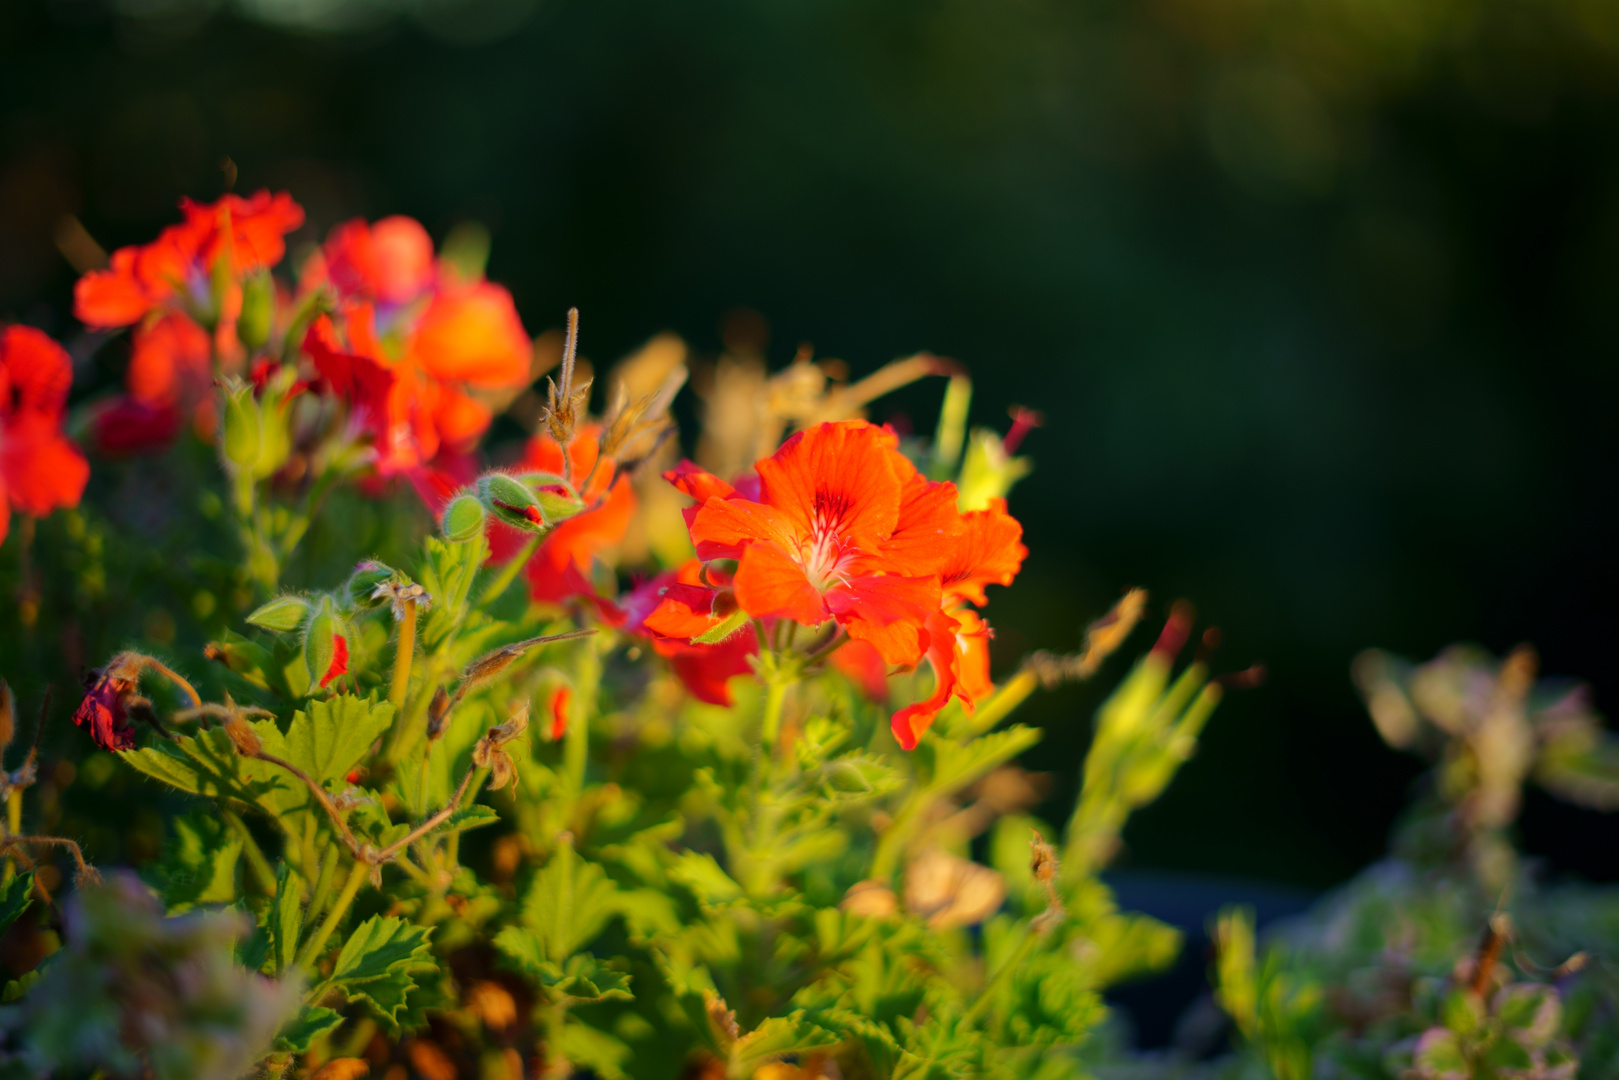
<point x="491" y="753"/>
<point x="105" y="708"/>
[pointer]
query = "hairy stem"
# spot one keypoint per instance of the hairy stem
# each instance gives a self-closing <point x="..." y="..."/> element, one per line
<point x="403" y="651"/>
<point x="513" y="567"/>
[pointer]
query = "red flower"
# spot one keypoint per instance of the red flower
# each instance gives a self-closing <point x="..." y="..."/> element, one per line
<point x="989" y="551"/>
<point x="40" y="468"/>
<point x="577" y="541"/>
<point x="340" y="660"/>
<point x="105" y="708"/>
<point x="412" y="341"/>
<point x="844" y="528"/>
<point x="125" y="426"/>
<point x="671" y="609"/>
<point x="224" y="240"/>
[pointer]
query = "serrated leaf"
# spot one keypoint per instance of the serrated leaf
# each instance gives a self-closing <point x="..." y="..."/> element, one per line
<point x="700" y="873"/>
<point x="956" y="765"/>
<point x="597" y="1051"/>
<point x="333" y="736"/>
<point x="569" y="903"/>
<point x="776" y="1038"/>
<point x="302" y="1030"/>
<point x="15" y="896"/>
<point x="286" y="917"/>
<point x="375" y="965"/>
<point x="208" y="764"/>
<point x="198" y="864"/>
<point x="582" y="977"/>
<point x="468" y="818"/>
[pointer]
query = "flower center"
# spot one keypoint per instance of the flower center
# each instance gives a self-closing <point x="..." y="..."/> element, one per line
<point x="825" y="553"/>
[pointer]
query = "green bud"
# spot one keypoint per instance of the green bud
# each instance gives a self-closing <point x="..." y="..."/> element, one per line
<point x="557" y="502"/>
<point x="258" y="309"/>
<point x="362" y="584"/>
<point x="513" y="502"/>
<point x="284" y="614"/>
<point x="320" y="642"/>
<point x="463" y="518"/>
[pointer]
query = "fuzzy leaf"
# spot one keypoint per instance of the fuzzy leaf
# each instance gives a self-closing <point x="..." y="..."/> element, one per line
<point x="302" y="1030"/>
<point x="702" y="875"/>
<point x="956" y="765"/>
<point x="568" y="903"/>
<point x="198" y="865"/>
<point x="377" y="962"/>
<point x="286" y="917"/>
<point x="334" y="736"/>
<point x="583" y="977"/>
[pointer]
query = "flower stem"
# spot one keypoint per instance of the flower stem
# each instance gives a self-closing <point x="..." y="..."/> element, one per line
<point x="775" y="696"/>
<point x="13" y="825"/>
<point x="403" y="651"/>
<point x="509" y="572"/>
<point x="340" y="907"/>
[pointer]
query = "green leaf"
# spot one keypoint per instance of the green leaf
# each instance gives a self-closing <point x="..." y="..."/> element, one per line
<point x="597" y="1051"/>
<point x="286" y="917"/>
<point x="1439" y="1056"/>
<point x="569" y="903"/>
<point x="377" y="962"/>
<point x="15" y="896"/>
<point x="776" y="1038"/>
<point x="723" y="629"/>
<point x="302" y="1030"/>
<point x="583" y="977"/>
<point x="702" y="875"/>
<point x="468" y="818"/>
<point x="198" y="865"/>
<point x="956" y="765"/>
<point x="335" y="735"/>
<point x="208" y="764"/>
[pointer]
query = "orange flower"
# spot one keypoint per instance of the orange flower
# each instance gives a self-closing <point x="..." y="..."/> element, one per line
<point x="559" y="712"/>
<point x="989" y="551"/>
<point x="844" y="528"/>
<point x="577" y="541"/>
<point x="40" y="468"/>
<point x="221" y="241"/>
<point x="411" y="341"/>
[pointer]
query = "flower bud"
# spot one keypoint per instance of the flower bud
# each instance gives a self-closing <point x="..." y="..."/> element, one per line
<point x="463" y="518"/>
<point x="243" y="438"/>
<point x="320" y="644"/>
<point x="284" y="614"/>
<point x="557" y="501"/>
<point x="513" y="502"/>
<point x="988" y="471"/>
<point x="258" y="308"/>
<point x="362" y="584"/>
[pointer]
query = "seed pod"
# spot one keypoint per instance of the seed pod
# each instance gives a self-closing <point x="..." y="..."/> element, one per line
<point x="463" y="519"/>
<point x="513" y="502"/>
<point x="438" y="711"/>
<point x="243" y="737"/>
<point x="283" y="615"/>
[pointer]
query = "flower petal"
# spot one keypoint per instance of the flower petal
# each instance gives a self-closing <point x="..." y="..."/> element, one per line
<point x="769" y="583"/>
<point x="838" y="478"/>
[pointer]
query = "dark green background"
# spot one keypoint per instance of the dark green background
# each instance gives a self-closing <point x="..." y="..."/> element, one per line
<point x="1318" y="299"/>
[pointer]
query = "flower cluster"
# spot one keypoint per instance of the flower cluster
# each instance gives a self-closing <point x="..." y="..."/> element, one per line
<point x="837" y="526"/>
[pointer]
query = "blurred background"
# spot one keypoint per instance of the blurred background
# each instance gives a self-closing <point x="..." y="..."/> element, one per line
<point x="1318" y="300"/>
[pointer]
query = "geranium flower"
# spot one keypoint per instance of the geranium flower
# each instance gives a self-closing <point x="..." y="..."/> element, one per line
<point x="40" y="468"/>
<point x="412" y="340"/>
<point x="843" y="528"/>
<point x="989" y="551"/>
<point x="219" y="242"/>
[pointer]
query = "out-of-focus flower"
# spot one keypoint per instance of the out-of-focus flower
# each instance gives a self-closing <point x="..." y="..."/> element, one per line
<point x="844" y="528"/>
<point x="195" y="267"/>
<point x="412" y="341"/>
<point x="559" y="712"/>
<point x="863" y="665"/>
<point x="40" y="468"/>
<point x="184" y="294"/>
<point x="988" y="551"/>
<point x="138" y="994"/>
<point x="105" y="708"/>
